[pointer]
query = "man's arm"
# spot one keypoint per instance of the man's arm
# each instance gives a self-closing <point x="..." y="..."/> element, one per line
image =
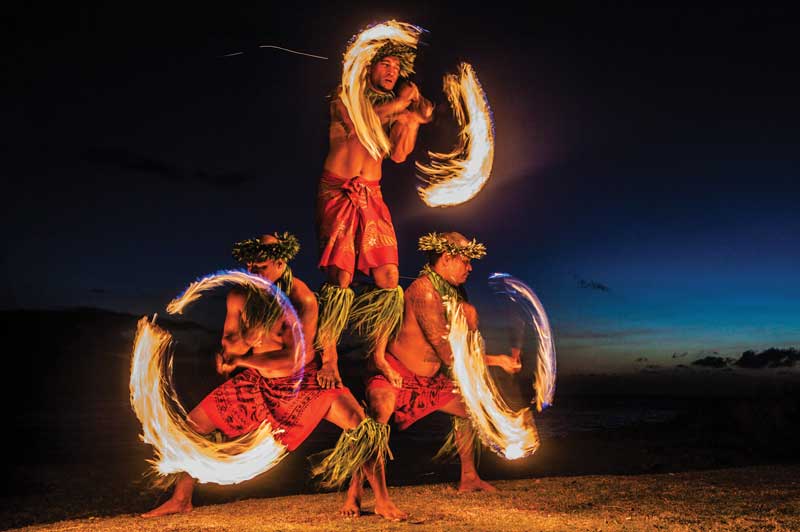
<point x="408" y="94"/>
<point x="403" y="135"/>
<point x="340" y="116"/>
<point x="386" y="112"/>
<point x="509" y="364"/>
<point x="278" y="362"/>
<point x="435" y="328"/>
<point x="233" y="342"/>
<point x="305" y="303"/>
<point x="428" y="309"/>
<point x="307" y="308"/>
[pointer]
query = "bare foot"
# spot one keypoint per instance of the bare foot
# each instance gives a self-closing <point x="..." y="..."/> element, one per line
<point x="475" y="484"/>
<point x="328" y="376"/>
<point x="389" y="511"/>
<point x="350" y="508"/>
<point x="172" y="506"/>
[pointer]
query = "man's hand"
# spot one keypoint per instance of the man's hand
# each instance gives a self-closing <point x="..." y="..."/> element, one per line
<point x="225" y="365"/>
<point x="516" y="354"/>
<point x="254" y="336"/>
<point x="507" y="363"/>
<point x="394" y="378"/>
<point x="328" y="376"/>
<point x="408" y="93"/>
<point x="423" y="110"/>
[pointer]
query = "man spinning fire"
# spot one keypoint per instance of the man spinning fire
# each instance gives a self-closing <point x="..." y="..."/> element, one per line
<point x="354" y="225"/>
<point x="421" y="355"/>
<point x="276" y="385"/>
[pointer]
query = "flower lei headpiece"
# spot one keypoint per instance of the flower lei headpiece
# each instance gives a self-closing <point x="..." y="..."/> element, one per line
<point x="437" y="243"/>
<point x="406" y="54"/>
<point x="253" y="250"/>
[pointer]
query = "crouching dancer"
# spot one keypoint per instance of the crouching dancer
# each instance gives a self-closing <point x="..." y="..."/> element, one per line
<point x="258" y="339"/>
<point x="421" y="354"/>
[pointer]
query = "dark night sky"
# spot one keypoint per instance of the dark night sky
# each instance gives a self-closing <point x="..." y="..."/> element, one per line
<point x="652" y="152"/>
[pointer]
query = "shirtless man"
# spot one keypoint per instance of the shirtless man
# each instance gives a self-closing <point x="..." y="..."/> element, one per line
<point x="354" y="225"/>
<point x="421" y="352"/>
<point x="257" y="338"/>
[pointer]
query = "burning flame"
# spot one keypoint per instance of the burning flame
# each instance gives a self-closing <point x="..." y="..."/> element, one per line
<point x="164" y="425"/>
<point x="508" y="433"/>
<point x="516" y="290"/>
<point x="456" y="177"/>
<point x="355" y="73"/>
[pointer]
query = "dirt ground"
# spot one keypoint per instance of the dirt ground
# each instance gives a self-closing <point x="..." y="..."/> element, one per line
<point x="757" y="499"/>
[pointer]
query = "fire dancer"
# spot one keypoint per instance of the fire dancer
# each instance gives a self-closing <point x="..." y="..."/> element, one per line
<point x="421" y="354"/>
<point x="354" y="225"/>
<point x="277" y="386"/>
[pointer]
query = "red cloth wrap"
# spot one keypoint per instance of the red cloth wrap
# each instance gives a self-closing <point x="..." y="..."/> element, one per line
<point x="418" y="397"/>
<point x="241" y="403"/>
<point x="353" y="220"/>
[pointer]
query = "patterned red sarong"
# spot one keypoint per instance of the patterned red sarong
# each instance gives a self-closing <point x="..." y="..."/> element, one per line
<point x="241" y="403"/>
<point x="418" y="397"/>
<point x="352" y="219"/>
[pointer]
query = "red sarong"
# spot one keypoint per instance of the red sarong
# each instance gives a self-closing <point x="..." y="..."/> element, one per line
<point x="419" y="396"/>
<point x="353" y="220"/>
<point x="241" y="403"/>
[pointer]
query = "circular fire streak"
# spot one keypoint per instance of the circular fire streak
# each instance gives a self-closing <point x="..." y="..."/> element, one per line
<point x="519" y="292"/>
<point x="508" y="433"/>
<point x="164" y="425"/>
<point x="456" y="177"/>
<point x="355" y="74"/>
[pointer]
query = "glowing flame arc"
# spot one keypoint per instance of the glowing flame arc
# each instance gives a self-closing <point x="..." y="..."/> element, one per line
<point x="177" y="447"/>
<point x="510" y="434"/>
<point x="355" y="72"/>
<point x="456" y="177"/>
<point x="517" y="291"/>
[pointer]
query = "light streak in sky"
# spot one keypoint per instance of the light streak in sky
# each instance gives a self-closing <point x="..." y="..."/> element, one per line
<point x="164" y="426"/>
<point x="456" y="177"/>
<point x="233" y="54"/>
<point x="291" y="51"/>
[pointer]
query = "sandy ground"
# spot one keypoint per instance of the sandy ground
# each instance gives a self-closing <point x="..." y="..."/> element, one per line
<point x="80" y="464"/>
<point x="764" y="498"/>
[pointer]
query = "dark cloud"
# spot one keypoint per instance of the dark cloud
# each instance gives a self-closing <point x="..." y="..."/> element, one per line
<point x="712" y="362"/>
<point x="680" y="355"/>
<point x="641" y="359"/>
<point x="136" y="162"/>
<point x="769" y="358"/>
<point x="592" y="285"/>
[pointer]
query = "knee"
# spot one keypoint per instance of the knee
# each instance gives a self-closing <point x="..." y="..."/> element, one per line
<point x="339" y="277"/>
<point x="354" y="418"/>
<point x="200" y="422"/>
<point x="386" y="277"/>
<point x="381" y="404"/>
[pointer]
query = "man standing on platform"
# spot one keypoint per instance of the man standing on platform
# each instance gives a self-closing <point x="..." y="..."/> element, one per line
<point x="354" y="225"/>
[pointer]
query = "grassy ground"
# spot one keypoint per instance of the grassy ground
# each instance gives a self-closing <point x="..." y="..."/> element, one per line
<point x="757" y="499"/>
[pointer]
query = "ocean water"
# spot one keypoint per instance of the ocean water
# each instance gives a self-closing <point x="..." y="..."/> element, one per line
<point x="603" y="414"/>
